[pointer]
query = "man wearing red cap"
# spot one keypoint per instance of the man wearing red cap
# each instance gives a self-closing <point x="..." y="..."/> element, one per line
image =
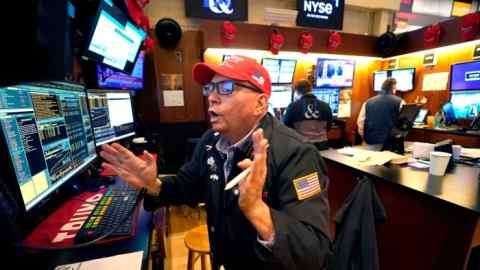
<point x="277" y="217"/>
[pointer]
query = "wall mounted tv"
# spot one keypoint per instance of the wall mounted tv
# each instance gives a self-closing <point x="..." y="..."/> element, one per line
<point x="114" y="40"/>
<point x="465" y="76"/>
<point x="405" y="78"/>
<point x="108" y="78"/>
<point x="281" y="70"/>
<point x="335" y="73"/>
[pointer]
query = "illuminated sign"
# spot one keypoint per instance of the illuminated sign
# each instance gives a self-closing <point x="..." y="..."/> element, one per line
<point x="234" y="10"/>
<point x="321" y="14"/>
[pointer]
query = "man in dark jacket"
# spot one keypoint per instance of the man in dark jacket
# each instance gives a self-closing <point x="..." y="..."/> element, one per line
<point x="277" y="218"/>
<point x="379" y="114"/>
<point x="309" y="116"/>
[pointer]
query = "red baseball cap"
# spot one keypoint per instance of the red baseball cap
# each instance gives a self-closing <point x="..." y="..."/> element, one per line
<point x="239" y="68"/>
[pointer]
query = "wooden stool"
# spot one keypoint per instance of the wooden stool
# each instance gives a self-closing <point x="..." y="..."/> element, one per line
<point x="196" y="241"/>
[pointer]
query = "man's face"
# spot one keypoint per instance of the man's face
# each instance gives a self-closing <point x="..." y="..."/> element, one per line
<point x="237" y="112"/>
<point x="394" y="88"/>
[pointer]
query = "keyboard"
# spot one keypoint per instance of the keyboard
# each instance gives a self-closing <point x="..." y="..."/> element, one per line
<point x="111" y="210"/>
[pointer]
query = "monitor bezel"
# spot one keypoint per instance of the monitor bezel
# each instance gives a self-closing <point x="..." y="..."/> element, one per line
<point x="104" y="91"/>
<point x="8" y="171"/>
<point x="336" y="59"/>
<point x="451" y="76"/>
<point x="89" y="55"/>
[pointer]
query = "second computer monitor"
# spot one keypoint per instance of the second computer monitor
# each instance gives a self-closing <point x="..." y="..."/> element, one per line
<point x="45" y="130"/>
<point x="112" y="115"/>
<point x="330" y="96"/>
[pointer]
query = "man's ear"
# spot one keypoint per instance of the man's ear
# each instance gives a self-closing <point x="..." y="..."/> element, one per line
<point x="262" y="104"/>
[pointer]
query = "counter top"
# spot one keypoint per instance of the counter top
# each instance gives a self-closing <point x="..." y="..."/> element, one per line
<point x="460" y="187"/>
<point x="450" y="131"/>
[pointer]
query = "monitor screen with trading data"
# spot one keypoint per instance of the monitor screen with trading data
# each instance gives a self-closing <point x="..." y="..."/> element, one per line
<point x="281" y="71"/>
<point x="112" y="115"/>
<point x="47" y="134"/>
<point x="330" y="96"/>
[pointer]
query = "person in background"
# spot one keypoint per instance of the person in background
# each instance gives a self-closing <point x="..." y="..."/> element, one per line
<point x="278" y="216"/>
<point x="379" y="114"/>
<point x="309" y="116"/>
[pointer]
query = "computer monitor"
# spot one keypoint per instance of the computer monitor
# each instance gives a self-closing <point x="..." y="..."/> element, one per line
<point x="281" y="71"/>
<point x="46" y="137"/>
<point x="108" y="78"/>
<point x="330" y="96"/>
<point x="396" y="139"/>
<point x="114" y="40"/>
<point x="465" y="76"/>
<point x="334" y="73"/>
<point x="280" y="98"/>
<point x="112" y="115"/>
<point x="465" y="104"/>
<point x="405" y="78"/>
<point x="422" y="115"/>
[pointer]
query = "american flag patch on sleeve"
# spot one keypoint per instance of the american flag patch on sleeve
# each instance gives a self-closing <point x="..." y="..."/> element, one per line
<point x="307" y="186"/>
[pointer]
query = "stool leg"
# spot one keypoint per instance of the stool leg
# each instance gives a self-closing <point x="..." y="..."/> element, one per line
<point x="190" y="262"/>
<point x="204" y="261"/>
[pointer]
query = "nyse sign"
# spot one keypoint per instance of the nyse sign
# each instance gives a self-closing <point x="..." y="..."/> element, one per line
<point x="321" y="13"/>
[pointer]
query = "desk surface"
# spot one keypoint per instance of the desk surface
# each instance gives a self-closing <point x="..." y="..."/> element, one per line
<point x="461" y="187"/>
<point x="449" y="131"/>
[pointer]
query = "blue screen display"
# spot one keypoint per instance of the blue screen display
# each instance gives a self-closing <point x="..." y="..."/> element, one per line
<point x="466" y="105"/>
<point x="465" y="76"/>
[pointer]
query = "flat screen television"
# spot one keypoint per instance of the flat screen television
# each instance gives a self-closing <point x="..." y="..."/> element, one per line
<point x="466" y="104"/>
<point x="108" y="78"/>
<point x="114" y="40"/>
<point x="281" y="70"/>
<point x="405" y="78"/>
<point x="465" y="76"/>
<point x="334" y="73"/>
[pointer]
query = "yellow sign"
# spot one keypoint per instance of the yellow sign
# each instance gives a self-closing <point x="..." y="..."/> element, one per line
<point x="460" y="8"/>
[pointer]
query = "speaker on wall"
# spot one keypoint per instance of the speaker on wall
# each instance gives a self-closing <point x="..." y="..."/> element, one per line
<point x="387" y="43"/>
<point x="168" y="32"/>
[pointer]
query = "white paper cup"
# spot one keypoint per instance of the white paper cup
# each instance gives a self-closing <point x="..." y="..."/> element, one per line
<point x="457" y="150"/>
<point x="439" y="162"/>
<point x="422" y="150"/>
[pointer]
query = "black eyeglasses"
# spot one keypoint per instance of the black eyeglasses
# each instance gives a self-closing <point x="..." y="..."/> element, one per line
<point x="226" y="87"/>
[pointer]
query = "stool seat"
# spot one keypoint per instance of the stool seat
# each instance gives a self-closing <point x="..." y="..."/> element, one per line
<point x="197" y="239"/>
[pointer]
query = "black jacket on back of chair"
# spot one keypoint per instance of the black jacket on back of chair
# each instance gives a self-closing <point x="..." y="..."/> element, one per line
<point x="355" y="244"/>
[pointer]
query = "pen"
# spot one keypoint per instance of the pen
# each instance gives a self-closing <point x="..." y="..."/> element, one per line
<point x="238" y="178"/>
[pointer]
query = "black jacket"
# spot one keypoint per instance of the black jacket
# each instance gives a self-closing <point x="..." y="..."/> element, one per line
<point x="381" y="114"/>
<point x="301" y="226"/>
<point x="355" y="242"/>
